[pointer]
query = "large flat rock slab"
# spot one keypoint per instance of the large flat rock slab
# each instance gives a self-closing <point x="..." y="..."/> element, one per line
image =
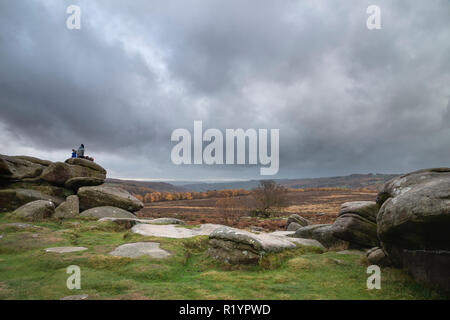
<point x="237" y="246"/>
<point x="172" y="231"/>
<point x="139" y="249"/>
<point x="128" y="223"/>
<point x="65" y="249"/>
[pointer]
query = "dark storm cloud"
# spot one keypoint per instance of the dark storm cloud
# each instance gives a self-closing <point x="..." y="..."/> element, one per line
<point x="345" y="99"/>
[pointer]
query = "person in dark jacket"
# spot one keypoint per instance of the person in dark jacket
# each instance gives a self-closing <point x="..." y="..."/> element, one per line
<point x="80" y="151"/>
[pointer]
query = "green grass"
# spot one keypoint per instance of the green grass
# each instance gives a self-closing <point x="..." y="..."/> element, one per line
<point x="27" y="272"/>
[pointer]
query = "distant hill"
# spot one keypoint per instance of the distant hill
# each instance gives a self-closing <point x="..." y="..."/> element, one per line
<point x="143" y="187"/>
<point x="354" y="181"/>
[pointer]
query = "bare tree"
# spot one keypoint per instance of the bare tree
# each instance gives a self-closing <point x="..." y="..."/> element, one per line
<point x="229" y="209"/>
<point x="268" y="195"/>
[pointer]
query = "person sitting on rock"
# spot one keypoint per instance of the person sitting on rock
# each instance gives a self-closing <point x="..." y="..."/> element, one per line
<point x="80" y="151"/>
<point x="74" y="153"/>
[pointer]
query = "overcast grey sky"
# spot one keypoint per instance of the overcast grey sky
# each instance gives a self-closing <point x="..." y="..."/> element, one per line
<point x="346" y="99"/>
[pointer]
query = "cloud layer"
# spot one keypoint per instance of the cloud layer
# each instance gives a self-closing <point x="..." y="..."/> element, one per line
<point x="346" y="99"/>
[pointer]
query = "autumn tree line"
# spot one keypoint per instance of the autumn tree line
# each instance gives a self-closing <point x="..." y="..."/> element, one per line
<point x="172" y="196"/>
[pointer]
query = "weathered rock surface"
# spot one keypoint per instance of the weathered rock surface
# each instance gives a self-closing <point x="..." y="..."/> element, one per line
<point x="11" y="199"/>
<point x="128" y="223"/>
<point x="319" y="232"/>
<point x="107" y="212"/>
<point x="105" y="195"/>
<point x="166" y="221"/>
<point x="69" y="208"/>
<point x="365" y="209"/>
<point x="35" y="160"/>
<point x="415" y="213"/>
<point x="38" y="185"/>
<point x="356" y="223"/>
<point x="78" y="182"/>
<point x="139" y="249"/>
<point x="298" y="219"/>
<point x="293" y="226"/>
<point x="24" y="179"/>
<point x="59" y="172"/>
<point x="429" y="266"/>
<point x="173" y="231"/>
<point x="236" y="246"/>
<point x="86" y="163"/>
<point x="12" y="168"/>
<point x="256" y="229"/>
<point x="378" y="257"/>
<point x="65" y="249"/>
<point x="36" y="210"/>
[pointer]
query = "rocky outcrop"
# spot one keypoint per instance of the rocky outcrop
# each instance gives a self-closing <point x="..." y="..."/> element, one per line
<point x="11" y="199"/>
<point x="298" y="219"/>
<point x="429" y="266"/>
<point x="12" y="168"/>
<point x="78" y="182"/>
<point x="293" y="226"/>
<point x="107" y="212"/>
<point x="104" y="195"/>
<point x="38" y="185"/>
<point x="378" y="257"/>
<point x="86" y="163"/>
<point x="25" y="179"/>
<point x="356" y="223"/>
<point x="415" y="213"/>
<point x="69" y="208"/>
<point x="41" y="162"/>
<point x="319" y="232"/>
<point x="34" y="211"/>
<point x="59" y="173"/>
<point x="236" y="246"/>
